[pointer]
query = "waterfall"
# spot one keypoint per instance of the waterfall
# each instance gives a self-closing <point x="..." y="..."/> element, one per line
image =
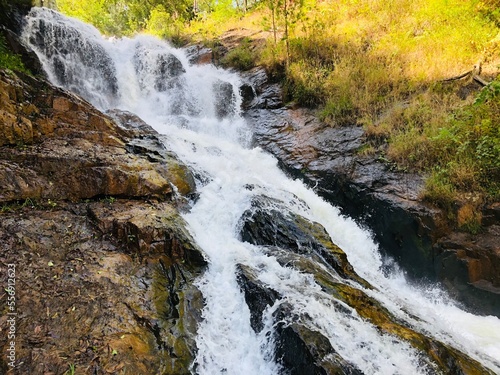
<point x="197" y="110"/>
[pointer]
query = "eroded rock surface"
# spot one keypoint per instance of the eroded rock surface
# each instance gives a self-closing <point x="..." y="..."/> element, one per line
<point x="57" y="146"/>
<point x="104" y="263"/>
<point x="268" y="223"/>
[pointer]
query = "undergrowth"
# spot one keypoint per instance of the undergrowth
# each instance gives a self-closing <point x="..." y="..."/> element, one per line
<point x="8" y="60"/>
<point x="241" y="57"/>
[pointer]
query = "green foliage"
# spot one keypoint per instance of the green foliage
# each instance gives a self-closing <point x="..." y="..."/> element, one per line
<point x="71" y="370"/>
<point x="126" y="17"/>
<point x="489" y="93"/>
<point x="469" y="159"/>
<point x="8" y="60"/>
<point x="339" y="110"/>
<point x="490" y="9"/>
<point x="473" y="135"/>
<point x="162" y="24"/>
<point x="27" y="203"/>
<point x="304" y="84"/>
<point x="241" y="57"/>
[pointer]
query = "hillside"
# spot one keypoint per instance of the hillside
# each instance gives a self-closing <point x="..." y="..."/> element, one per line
<point x="418" y="76"/>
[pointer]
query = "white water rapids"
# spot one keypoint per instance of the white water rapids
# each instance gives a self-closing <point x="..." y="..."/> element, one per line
<point x="130" y="74"/>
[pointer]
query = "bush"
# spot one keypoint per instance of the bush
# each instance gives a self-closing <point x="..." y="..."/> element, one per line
<point x="305" y="84"/>
<point x="8" y="60"/>
<point x="339" y="110"/>
<point x="241" y="58"/>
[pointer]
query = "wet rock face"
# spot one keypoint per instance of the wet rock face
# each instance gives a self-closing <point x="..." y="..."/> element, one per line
<point x="258" y="93"/>
<point x="28" y="57"/>
<point x="165" y="68"/>
<point x="199" y="54"/>
<point x="307" y="352"/>
<point x="469" y="260"/>
<point x="225" y="105"/>
<point x="268" y="224"/>
<point x="70" y="45"/>
<point x="258" y="297"/>
<point x="148" y="229"/>
<point x="12" y="14"/>
<point x="299" y="348"/>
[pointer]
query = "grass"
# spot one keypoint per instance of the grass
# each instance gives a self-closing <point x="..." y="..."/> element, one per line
<point x="383" y="66"/>
<point x="32" y="203"/>
<point x="71" y="370"/>
<point x="241" y="57"/>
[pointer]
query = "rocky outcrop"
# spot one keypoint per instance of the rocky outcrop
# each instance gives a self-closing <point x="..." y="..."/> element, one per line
<point x="368" y="188"/>
<point x="292" y="240"/>
<point x="56" y="146"/>
<point x="268" y="223"/>
<point x="299" y="350"/>
<point x="258" y="93"/>
<point x="223" y="91"/>
<point x="12" y="13"/>
<point x="88" y="216"/>
<point x="104" y="301"/>
<point x="168" y="66"/>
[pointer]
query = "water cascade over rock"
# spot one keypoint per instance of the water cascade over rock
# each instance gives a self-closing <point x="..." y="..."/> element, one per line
<point x="291" y="286"/>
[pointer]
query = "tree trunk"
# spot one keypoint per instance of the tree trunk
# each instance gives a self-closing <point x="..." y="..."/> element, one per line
<point x="287" y="44"/>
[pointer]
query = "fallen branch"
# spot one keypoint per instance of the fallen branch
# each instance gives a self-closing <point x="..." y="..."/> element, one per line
<point x="480" y="80"/>
<point x="472" y="74"/>
<point x="456" y="78"/>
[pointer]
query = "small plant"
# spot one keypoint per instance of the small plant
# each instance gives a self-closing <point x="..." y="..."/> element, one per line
<point x="109" y="200"/>
<point x="241" y="58"/>
<point x="71" y="370"/>
<point x="8" y="60"/>
<point x="51" y="203"/>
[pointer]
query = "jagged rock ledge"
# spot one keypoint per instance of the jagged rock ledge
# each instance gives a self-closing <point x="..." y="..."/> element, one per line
<point x="104" y="263"/>
<point x="299" y="347"/>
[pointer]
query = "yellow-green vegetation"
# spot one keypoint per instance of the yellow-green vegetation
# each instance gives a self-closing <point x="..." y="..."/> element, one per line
<point x="126" y="17"/>
<point x="383" y="65"/>
<point x="241" y="57"/>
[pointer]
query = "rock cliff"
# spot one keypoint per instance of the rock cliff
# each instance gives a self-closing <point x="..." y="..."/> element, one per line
<point x="104" y="264"/>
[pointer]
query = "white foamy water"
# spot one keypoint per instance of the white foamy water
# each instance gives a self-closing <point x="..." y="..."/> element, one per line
<point x="196" y="108"/>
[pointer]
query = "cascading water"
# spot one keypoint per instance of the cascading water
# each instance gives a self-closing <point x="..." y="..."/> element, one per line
<point x="197" y="109"/>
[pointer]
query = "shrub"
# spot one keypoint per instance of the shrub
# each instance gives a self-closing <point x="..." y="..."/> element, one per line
<point x="241" y="58"/>
<point x="305" y="84"/>
<point x="8" y="60"/>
